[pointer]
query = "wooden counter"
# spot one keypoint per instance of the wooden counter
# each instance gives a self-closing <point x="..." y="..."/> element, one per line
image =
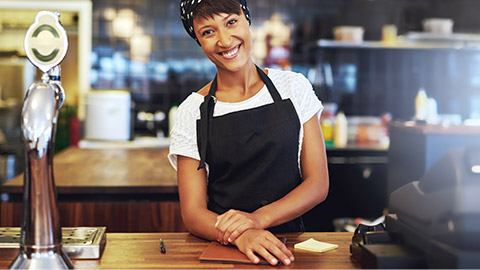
<point x="109" y="171"/>
<point x="141" y="250"/>
<point x="116" y="188"/>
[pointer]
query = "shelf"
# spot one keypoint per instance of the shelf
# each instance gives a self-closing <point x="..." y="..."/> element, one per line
<point x="413" y="40"/>
<point x="446" y="38"/>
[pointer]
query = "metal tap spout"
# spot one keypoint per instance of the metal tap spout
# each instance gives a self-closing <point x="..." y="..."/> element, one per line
<point x="41" y="239"/>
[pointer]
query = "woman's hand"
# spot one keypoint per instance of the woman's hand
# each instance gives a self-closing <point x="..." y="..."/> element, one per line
<point x="233" y="223"/>
<point x="265" y="244"/>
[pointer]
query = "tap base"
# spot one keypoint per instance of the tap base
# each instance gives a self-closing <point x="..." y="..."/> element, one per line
<point x="42" y="260"/>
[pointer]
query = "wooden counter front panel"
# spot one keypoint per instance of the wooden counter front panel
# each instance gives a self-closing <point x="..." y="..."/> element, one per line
<point x="116" y="216"/>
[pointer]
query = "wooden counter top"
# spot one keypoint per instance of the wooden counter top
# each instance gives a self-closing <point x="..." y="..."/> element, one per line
<point x="109" y="171"/>
<point x="115" y="188"/>
<point x="141" y="250"/>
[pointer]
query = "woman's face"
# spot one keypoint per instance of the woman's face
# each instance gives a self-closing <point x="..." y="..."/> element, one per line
<point x="225" y="40"/>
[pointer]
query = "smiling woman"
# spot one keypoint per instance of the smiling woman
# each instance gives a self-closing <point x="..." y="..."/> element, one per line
<point x="225" y="40"/>
<point x="247" y="147"/>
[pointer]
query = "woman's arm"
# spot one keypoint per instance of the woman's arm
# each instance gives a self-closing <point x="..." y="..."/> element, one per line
<point x="312" y="191"/>
<point x="192" y="188"/>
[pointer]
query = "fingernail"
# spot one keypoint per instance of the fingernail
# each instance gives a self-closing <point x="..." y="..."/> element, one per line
<point x="216" y="223"/>
<point x="287" y="261"/>
<point x="292" y="258"/>
<point x="229" y="239"/>
<point x="274" y="261"/>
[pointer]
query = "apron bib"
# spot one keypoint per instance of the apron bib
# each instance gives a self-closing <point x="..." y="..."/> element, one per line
<point x="252" y="154"/>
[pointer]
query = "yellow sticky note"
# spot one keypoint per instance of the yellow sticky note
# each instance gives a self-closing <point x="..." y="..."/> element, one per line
<point x="314" y="245"/>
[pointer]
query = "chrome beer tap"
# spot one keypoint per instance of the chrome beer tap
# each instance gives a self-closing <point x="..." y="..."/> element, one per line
<point x="41" y="234"/>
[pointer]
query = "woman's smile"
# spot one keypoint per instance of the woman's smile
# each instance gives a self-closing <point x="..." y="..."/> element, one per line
<point x="232" y="53"/>
<point x="225" y="40"/>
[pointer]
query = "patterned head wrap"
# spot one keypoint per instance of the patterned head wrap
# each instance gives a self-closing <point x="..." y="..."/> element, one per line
<point x="187" y="8"/>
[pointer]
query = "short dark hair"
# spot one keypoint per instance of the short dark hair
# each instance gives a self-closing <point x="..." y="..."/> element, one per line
<point x="190" y="9"/>
<point x="208" y="8"/>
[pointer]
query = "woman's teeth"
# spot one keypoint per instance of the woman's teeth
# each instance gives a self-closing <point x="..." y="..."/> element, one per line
<point x="230" y="53"/>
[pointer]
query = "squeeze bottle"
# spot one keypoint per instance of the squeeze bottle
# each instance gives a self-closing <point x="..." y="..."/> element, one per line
<point x="421" y="105"/>
<point x="340" y="134"/>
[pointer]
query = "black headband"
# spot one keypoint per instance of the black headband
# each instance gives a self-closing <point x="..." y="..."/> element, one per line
<point x="187" y="7"/>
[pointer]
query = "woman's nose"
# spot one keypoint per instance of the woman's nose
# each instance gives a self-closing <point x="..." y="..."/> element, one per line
<point x="224" y="38"/>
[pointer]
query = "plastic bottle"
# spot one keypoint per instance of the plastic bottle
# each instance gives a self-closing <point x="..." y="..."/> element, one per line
<point x="327" y="119"/>
<point x="327" y="130"/>
<point x="421" y="105"/>
<point x="340" y="134"/>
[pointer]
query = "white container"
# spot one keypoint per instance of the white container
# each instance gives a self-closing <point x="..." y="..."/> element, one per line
<point x="438" y="25"/>
<point x="348" y="33"/>
<point x="108" y="115"/>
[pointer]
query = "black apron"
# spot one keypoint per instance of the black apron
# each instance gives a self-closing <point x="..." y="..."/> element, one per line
<point x="252" y="154"/>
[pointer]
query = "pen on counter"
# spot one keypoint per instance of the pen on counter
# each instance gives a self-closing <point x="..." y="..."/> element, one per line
<point x="162" y="246"/>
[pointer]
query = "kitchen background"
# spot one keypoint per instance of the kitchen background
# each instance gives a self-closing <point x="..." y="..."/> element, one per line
<point x="141" y="46"/>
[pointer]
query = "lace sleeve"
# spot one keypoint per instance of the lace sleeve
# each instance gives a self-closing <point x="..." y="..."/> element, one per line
<point x="183" y="137"/>
<point x="308" y="102"/>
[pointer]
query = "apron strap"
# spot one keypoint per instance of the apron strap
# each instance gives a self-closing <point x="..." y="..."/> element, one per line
<point x="206" y="112"/>
<point x="271" y="88"/>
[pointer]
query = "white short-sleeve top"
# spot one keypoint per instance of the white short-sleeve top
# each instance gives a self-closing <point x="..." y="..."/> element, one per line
<point x="183" y="137"/>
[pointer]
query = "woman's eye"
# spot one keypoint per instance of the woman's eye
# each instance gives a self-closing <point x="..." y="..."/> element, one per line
<point x="207" y="32"/>
<point x="231" y="22"/>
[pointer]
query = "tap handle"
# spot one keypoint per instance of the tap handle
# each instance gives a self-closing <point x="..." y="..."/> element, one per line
<point x="46" y="41"/>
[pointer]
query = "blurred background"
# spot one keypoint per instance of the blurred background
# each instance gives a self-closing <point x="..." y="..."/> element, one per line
<point x="142" y="46"/>
<point x="130" y="63"/>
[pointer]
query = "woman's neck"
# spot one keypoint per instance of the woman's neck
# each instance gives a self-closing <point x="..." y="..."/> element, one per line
<point x="239" y="85"/>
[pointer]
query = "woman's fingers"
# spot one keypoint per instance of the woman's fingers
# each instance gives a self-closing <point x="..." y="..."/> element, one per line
<point x="237" y="232"/>
<point x="222" y="224"/>
<point x="222" y="219"/>
<point x="264" y="244"/>
<point x="267" y="255"/>
<point x="252" y="256"/>
<point x="273" y="253"/>
<point x="278" y="250"/>
<point x="231" y="229"/>
<point x="282" y="249"/>
<point x="226" y="225"/>
<point x="225" y="219"/>
<point x="232" y="224"/>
